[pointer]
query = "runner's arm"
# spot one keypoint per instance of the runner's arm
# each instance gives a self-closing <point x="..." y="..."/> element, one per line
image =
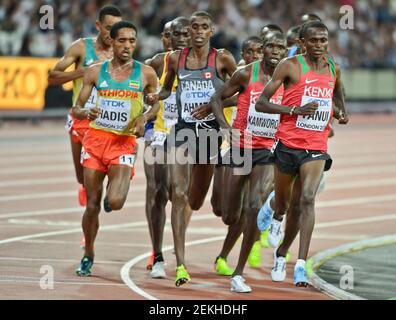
<point x="281" y="73"/>
<point x="58" y="75"/>
<point x="228" y="91"/>
<point x="89" y="81"/>
<point x="151" y="87"/>
<point x="339" y="99"/>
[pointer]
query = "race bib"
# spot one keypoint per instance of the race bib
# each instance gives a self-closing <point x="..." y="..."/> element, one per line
<point x="197" y="94"/>
<point x="127" y="159"/>
<point x="170" y="114"/>
<point x="158" y="139"/>
<point x="115" y="114"/>
<point x="69" y="123"/>
<point x="320" y="119"/>
<point x="91" y="102"/>
<point x="261" y="124"/>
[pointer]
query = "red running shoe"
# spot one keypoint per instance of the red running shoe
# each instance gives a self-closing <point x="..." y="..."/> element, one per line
<point x="150" y="262"/>
<point x="82" y="196"/>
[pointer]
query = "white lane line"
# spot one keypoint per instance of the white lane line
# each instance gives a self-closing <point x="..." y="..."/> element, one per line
<point x="54" y="260"/>
<point x="360" y="184"/>
<point x="36" y="182"/>
<point x="356" y="201"/>
<point x="59" y="167"/>
<point x="343" y="172"/>
<point x="99" y="243"/>
<point x="348" y="222"/>
<point x="65" y="282"/>
<point x="58" y="194"/>
<point x="42" y="158"/>
<point x="125" y="271"/>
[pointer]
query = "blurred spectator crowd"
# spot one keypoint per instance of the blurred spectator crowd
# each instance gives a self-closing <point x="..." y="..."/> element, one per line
<point x="371" y="44"/>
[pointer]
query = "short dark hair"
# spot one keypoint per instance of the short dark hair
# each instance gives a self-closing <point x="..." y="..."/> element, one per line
<point x="250" y="39"/>
<point x="276" y="35"/>
<point x="120" y="25"/>
<point x="109" y="10"/>
<point x="309" y="25"/>
<point x="309" y="17"/>
<point x="180" y="20"/>
<point x="201" y="14"/>
<point x="272" y="26"/>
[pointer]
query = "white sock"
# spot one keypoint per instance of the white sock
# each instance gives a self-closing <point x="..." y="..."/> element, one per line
<point x="300" y="263"/>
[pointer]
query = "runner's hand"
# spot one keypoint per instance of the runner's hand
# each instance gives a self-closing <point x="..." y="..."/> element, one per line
<point x="93" y="113"/>
<point x="152" y="98"/>
<point x="139" y="125"/>
<point x="202" y="111"/>
<point x="307" y="109"/>
<point x="343" y="118"/>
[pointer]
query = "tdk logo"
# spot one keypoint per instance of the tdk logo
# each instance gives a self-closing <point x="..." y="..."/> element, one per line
<point x="113" y="103"/>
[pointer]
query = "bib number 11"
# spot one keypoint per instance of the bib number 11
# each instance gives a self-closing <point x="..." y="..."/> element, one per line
<point x="127" y="159"/>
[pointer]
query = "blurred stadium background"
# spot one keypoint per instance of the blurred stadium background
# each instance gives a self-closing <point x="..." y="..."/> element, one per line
<point x="367" y="54"/>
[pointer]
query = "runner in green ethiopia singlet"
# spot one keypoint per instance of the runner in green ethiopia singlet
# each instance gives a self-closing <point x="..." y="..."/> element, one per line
<point x="121" y="102"/>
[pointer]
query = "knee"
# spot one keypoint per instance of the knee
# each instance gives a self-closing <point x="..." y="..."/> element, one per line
<point x="196" y="204"/>
<point x="230" y="218"/>
<point x="179" y="195"/>
<point x="161" y="194"/>
<point x="216" y="208"/>
<point x="307" y="199"/>
<point x="92" y="208"/>
<point x="116" y="202"/>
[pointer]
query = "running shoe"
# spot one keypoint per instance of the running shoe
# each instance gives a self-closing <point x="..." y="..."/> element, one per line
<point x="265" y="214"/>
<point x="182" y="276"/>
<point x="151" y="261"/>
<point x="158" y="271"/>
<point x="222" y="267"/>
<point x="82" y="196"/>
<point x="278" y="272"/>
<point x="300" y="277"/>
<point x="275" y="234"/>
<point x="84" y="270"/>
<point x="264" y="239"/>
<point x="106" y="206"/>
<point x="238" y="285"/>
<point x="254" y="258"/>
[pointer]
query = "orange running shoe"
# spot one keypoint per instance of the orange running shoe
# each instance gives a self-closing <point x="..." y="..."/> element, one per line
<point x="150" y="262"/>
<point x="82" y="196"/>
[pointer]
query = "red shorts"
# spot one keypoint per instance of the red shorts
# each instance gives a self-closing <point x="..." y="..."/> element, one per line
<point x="103" y="149"/>
<point x="76" y="128"/>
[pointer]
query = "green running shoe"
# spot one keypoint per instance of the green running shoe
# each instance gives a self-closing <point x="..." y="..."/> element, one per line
<point x="84" y="270"/>
<point x="222" y="267"/>
<point x="264" y="239"/>
<point x="182" y="276"/>
<point x="254" y="258"/>
<point x="288" y="256"/>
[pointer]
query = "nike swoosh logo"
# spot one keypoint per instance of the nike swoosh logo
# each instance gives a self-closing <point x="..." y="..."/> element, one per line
<point x="317" y="155"/>
<point x="310" y="81"/>
<point x="255" y="92"/>
<point x="185" y="76"/>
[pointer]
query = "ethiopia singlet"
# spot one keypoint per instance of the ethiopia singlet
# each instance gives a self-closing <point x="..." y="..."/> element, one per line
<point x="308" y="132"/>
<point x="89" y="58"/>
<point x="257" y="128"/>
<point x="120" y="102"/>
<point x="167" y="114"/>
<point x="196" y="87"/>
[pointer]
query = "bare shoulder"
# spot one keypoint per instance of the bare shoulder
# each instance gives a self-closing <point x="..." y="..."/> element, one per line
<point x="242" y="74"/>
<point x="225" y="55"/>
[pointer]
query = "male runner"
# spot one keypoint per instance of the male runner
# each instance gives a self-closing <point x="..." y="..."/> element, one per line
<point x="166" y="35"/>
<point x="257" y="132"/>
<point x="82" y="53"/>
<point x="200" y="70"/>
<point x="110" y="145"/>
<point x="252" y="50"/>
<point x="157" y="192"/>
<point x="311" y="81"/>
